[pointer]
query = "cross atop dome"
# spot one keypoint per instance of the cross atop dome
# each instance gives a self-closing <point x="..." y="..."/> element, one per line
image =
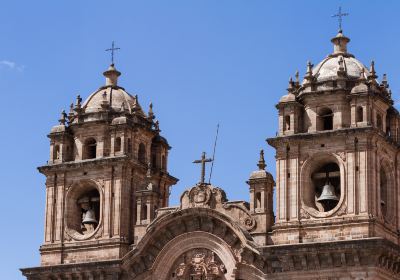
<point x="340" y="16"/>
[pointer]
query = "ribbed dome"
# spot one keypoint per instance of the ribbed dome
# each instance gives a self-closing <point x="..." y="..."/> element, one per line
<point x="339" y="63"/>
<point x="329" y="67"/>
<point x="117" y="98"/>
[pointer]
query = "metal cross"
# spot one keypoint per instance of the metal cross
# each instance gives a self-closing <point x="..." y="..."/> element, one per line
<point x="340" y="15"/>
<point x="203" y="162"/>
<point x="112" y="49"/>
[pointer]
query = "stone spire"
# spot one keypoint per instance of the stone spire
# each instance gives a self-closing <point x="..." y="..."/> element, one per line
<point x="261" y="162"/>
<point x="112" y="75"/>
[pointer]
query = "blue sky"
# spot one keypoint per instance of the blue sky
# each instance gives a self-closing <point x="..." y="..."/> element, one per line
<point x="200" y="63"/>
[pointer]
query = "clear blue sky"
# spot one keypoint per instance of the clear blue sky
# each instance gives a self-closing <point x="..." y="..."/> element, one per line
<point x="199" y="62"/>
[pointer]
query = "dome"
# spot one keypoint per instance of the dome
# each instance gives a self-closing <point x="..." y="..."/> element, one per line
<point x="329" y="67"/>
<point x="290" y="97"/>
<point x="340" y="62"/>
<point x="117" y="98"/>
<point x="111" y="95"/>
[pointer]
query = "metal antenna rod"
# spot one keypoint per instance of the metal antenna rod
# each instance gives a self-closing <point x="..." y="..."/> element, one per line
<point x="213" y="157"/>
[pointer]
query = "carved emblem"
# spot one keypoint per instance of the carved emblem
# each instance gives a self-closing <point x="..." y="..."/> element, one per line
<point x="199" y="264"/>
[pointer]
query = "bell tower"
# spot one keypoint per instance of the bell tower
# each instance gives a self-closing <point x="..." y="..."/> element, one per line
<point x="106" y="158"/>
<point x="337" y="154"/>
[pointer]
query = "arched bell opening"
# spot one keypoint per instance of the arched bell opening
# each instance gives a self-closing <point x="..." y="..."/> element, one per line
<point x="326" y="181"/>
<point x="83" y="209"/>
<point x="90" y="149"/>
<point x="322" y="184"/>
<point x="386" y="192"/>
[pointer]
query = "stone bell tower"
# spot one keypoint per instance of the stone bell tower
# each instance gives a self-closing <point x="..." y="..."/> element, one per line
<point x="337" y="154"/>
<point x="105" y="178"/>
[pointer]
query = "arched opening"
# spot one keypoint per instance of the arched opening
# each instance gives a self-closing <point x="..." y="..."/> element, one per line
<point x="154" y="160"/>
<point x="383" y="186"/>
<point x="326" y="181"/>
<point x="325" y="119"/>
<point x="117" y="145"/>
<point x="258" y="200"/>
<point x="360" y="114"/>
<point x="143" y="214"/>
<point x="287" y="123"/>
<point x="83" y="209"/>
<point x="142" y="153"/>
<point x="89" y="150"/>
<point x="379" y="123"/>
<point x="56" y="152"/>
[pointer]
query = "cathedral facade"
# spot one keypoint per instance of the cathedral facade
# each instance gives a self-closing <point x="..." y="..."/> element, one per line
<point x="337" y="190"/>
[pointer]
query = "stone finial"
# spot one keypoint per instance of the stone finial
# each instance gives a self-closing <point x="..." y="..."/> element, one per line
<point x="157" y="126"/>
<point x="291" y="85"/>
<point x="71" y="113"/>
<point x="151" y="113"/>
<point x="111" y="75"/>
<point x="78" y="102"/>
<point x="309" y="74"/>
<point x="384" y="81"/>
<point x="261" y="162"/>
<point x="63" y="118"/>
<point x="372" y="74"/>
<point x="297" y="79"/>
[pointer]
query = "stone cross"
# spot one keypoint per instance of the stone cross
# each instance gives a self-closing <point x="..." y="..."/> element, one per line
<point x="112" y="49"/>
<point x="203" y="162"/>
<point x="340" y="15"/>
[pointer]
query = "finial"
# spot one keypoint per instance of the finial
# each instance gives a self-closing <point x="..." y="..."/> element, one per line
<point x="71" y="113"/>
<point x="157" y="126"/>
<point x="309" y="74"/>
<point x="372" y="73"/>
<point x="384" y="81"/>
<point x="297" y="76"/>
<point x="261" y="162"/>
<point x="63" y="118"/>
<point x="290" y="86"/>
<point x="151" y="113"/>
<point x="340" y="16"/>
<point x="78" y="102"/>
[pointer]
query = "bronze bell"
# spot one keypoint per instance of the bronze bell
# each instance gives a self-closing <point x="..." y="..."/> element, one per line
<point x="328" y="193"/>
<point x="90" y="217"/>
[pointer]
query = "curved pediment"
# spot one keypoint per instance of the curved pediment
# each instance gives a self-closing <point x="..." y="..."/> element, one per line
<point x="192" y="221"/>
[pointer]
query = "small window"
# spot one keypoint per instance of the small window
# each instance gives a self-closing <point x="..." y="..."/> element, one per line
<point x="287" y="122"/>
<point x="90" y="148"/>
<point x="144" y="212"/>
<point x="326" y="119"/>
<point x="117" y="145"/>
<point x="258" y="200"/>
<point x="142" y="153"/>
<point x="360" y="114"/>
<point x="56" y="152"/>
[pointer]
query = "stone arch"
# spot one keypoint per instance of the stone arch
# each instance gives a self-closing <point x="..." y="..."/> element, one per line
<point x="189" y="241"/>
<point x="140" y="262"/>
<point x="307" y="186"/>
<point x="72" y="215"/>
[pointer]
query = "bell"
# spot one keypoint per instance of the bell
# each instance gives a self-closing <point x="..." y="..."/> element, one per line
<point x="90" y="217"/>
<point x="328" y="193"/>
